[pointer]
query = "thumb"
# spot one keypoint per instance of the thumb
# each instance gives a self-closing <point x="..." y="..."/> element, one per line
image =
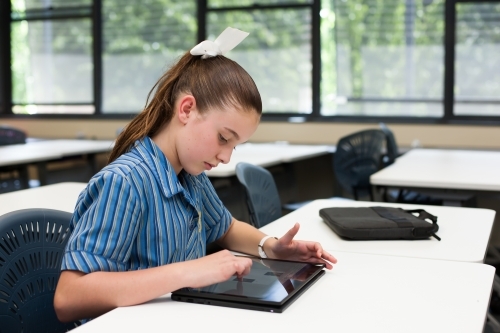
<point x="288" y="237"/>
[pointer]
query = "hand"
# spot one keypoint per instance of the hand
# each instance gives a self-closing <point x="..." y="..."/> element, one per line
<point x="288" y="248"/>
<point x="217" y="267"/>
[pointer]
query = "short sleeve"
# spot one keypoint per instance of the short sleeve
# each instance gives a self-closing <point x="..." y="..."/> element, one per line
<point x="105" y="225"/>
<point x="216" y="217"/>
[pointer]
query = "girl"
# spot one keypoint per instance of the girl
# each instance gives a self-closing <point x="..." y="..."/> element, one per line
<point x="141" y="226"/>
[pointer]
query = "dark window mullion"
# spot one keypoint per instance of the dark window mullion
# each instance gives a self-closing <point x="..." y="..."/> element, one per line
<point x="316" y="58"/>
<point x="51" y="13"/>
<point x="97" y="54"/>
<point x="5" y="54"/>
<point x="449" y="57"/>
<point x="202" y="19"/>
<point x="53" y="18"/>
<point x="260" y="7"/>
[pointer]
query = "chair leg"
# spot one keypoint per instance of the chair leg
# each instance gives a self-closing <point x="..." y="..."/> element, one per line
<point x="355" y="193"/>
<point x="400" y="195"/>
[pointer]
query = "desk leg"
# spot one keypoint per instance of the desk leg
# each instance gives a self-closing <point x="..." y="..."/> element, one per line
<point x="92" y="160"/>
<point x="379" y="193"/>
<point x="24" y="177"/>
<point x="42" y="173"/>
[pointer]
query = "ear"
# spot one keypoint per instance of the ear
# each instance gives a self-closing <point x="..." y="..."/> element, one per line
<point x="185" y="108"/>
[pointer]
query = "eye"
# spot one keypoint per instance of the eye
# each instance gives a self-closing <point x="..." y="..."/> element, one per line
<point x="222" y="139"/>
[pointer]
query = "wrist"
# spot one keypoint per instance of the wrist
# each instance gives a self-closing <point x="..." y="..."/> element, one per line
<point x="265" y="247"/>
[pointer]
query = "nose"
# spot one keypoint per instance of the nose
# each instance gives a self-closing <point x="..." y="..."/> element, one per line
<point x="224" y="155"/>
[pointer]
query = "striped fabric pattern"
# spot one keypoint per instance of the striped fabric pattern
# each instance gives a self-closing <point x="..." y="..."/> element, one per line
<point x="137" y="213"/>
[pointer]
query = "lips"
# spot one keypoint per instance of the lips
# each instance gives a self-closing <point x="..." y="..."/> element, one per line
<point x="209" y="166"/>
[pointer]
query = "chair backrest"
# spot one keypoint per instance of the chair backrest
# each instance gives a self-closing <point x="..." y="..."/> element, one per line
<point x="356" y="158"/>
<point x="391" y="145"/>
<point x="10" y="135"/>
<point x="263" y="201"/>
<point x="32" y="243"/>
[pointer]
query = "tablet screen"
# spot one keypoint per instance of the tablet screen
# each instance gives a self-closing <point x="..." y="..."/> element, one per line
<point x="269" y="281"/>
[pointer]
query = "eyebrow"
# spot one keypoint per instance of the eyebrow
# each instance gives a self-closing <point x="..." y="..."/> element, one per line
<point x="233" y="133"/>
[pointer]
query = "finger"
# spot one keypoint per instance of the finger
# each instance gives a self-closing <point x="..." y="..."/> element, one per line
<point x="320" y="261"/>
<point x="243" y="266"/>
<point x="247" y="270"/>
<point x="327" y="263"/>
<point x="315" y="249"/>
<point x="288" y="237"/>
<point x="329" y="257"/>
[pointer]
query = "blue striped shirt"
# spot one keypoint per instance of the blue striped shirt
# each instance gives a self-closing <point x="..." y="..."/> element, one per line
<point x="137" y="213"/>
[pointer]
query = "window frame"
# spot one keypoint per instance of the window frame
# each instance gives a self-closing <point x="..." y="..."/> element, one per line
<point x="93" y="13"/>
<point x="315" y="116"/>
<point x="314" y="6"/>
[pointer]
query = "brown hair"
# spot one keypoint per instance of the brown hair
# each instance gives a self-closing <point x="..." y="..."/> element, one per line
<point x="215" y="83"/>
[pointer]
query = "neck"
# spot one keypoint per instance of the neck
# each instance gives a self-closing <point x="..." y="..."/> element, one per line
<point x="165" y="141"/>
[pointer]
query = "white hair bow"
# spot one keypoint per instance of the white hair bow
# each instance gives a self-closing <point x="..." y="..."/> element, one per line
<point x="226" y="41"/>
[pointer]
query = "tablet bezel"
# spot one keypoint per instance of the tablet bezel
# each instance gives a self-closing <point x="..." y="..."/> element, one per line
<point x="190" y="295"/>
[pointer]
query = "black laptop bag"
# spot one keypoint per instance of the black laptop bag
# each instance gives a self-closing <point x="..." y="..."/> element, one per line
<point x="364" y="223"/>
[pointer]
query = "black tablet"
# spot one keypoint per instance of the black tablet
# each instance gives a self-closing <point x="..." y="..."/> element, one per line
<point x="272" y="285"/>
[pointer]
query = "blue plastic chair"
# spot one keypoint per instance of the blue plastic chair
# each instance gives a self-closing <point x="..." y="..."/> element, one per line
<point x="32" y="243"/>
<point x="263" y="200"/>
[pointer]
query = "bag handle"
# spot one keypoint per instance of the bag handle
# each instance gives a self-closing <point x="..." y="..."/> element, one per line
<point x="403" y="221"/>
<point x="423" y="215"/>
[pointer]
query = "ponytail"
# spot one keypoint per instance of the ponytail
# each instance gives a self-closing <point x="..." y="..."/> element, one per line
<point x="216" y="82"/>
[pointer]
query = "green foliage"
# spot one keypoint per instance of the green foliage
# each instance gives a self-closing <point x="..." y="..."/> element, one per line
<point x="148" y="26"/>
<point x="369" y="48"/>
<point x="277" y="54"/>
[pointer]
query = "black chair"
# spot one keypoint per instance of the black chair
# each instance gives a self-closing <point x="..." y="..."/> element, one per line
<point x="357" y="157"/>
<point x="10" y="135"/>
<point x="263" y="200"/>
<point x="32" y="243"/>
<point x="418" y="197"/>
<point x="12" y="178"/>
<point x="390" y="145"/>
<point x="401" y="195"/>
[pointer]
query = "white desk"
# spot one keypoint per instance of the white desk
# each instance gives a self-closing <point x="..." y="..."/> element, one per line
<point x="43" y="151"/>
<point x="46" y="150"/>
<point x="464" y="232"/>
<point x="443" y="169"/>
<point x="363" y="293"/>
<point x="280" y="157"/>
<point x="268" y="154"/>
<point x="62" y="196"/>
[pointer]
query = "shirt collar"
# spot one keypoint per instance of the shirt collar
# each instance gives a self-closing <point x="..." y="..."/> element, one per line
<point x="158" y="163"/>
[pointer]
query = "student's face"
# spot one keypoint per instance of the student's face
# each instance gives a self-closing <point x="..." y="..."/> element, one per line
<point x="210" y="138"/>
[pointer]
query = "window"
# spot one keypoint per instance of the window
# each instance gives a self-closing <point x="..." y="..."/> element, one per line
<point x="51" y="57"/>
<point x="477" y="59"/>
<point x="277" y="53"/>
<point x="382" y="58"/>
<point x="141" y="39"/>
<point x="391" y="60"/>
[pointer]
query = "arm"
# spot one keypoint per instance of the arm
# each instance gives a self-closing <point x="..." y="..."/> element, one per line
<point x="79" y="295"/>
<point x="243" y="237"/>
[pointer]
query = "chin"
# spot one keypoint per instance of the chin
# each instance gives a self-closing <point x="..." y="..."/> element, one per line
<point x="194" y="172"/>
